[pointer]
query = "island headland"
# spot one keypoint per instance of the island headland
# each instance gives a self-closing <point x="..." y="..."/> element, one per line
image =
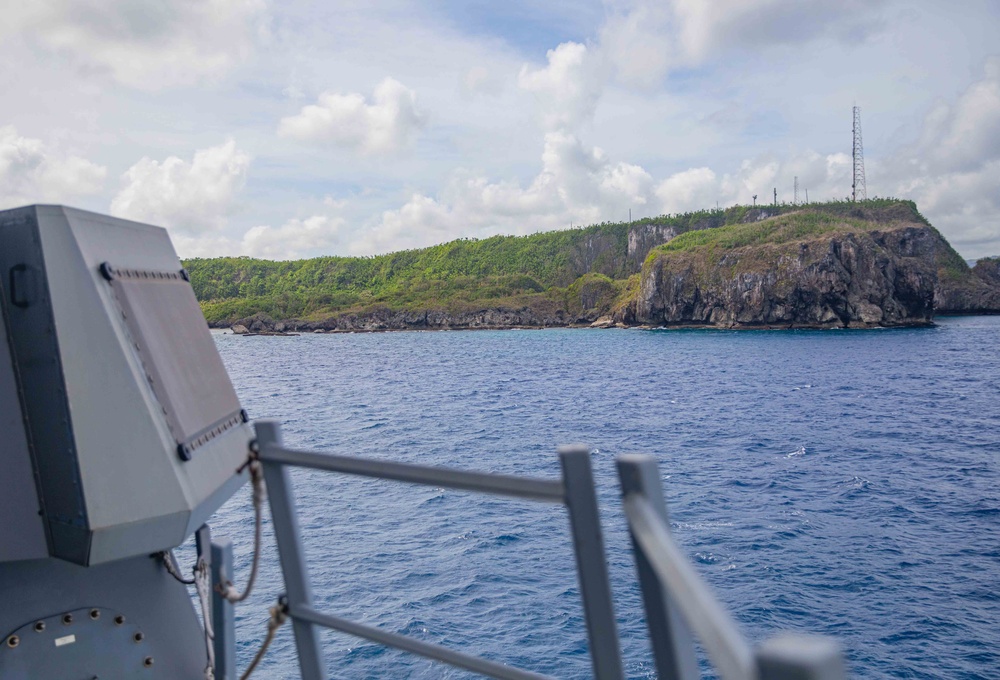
<point x="876" y="263"/>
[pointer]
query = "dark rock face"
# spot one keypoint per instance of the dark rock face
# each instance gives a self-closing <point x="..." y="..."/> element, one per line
<point x="857" y="280"/>
<point x="988" y="269"/>
<point x="597" y="253"/>
<point x="385" y="319"/>
<point x="644" y="237"/>
<point x="977" y="292"/>
<point x="603" y="254"/>
<point x="258" y="323"/>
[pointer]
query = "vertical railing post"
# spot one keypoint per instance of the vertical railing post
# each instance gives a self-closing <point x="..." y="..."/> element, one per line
<point x="290" y="552"/>
<point x="800" y="657"/>
<point x="595" y="586"/>
<point x="203" y="545"/>
<point x="673" y="646"/>
<point x="223" y="612"/>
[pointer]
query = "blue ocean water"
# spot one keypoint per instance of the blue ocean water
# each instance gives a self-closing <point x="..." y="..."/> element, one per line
<point x="838" y="482"/>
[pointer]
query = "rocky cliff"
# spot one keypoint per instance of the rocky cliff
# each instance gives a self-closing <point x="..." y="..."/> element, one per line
<point x="961" y="290"/>
<point x="812" y="271"/>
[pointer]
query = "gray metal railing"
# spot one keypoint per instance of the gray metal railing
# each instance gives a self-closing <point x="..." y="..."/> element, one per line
<point x="575" y="490"/>
<point x="676" y="598"/>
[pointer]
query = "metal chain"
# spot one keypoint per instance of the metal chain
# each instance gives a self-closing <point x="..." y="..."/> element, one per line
<point x="257" y="481"/>
<point x="202" y="583"/>
<point x="279" y="614"/>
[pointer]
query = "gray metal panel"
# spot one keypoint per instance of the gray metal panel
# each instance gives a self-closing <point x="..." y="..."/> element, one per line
<point x="111" y="482"/>
<point x="180" y="359"/>
<point x="124" y="449"/>
<point x="86" y="642"/>
<point x="35" y="350"/>
<point x="139" y="588"/>
<point x="22" y="534"/>
<point x="133" y="474"/>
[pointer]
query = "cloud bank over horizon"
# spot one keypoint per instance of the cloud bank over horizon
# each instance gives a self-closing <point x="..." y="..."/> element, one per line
<point x="291" y="130"/>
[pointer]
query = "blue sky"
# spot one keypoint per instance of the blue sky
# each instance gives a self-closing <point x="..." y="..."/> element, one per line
<point x="295" y="129"/>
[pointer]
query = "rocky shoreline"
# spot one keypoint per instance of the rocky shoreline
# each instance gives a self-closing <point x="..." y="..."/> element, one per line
<point x="295" y="327"/>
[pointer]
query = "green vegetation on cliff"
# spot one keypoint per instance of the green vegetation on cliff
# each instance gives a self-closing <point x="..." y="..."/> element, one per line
<point x="497" y="271"/>
<point x="586" y="271"/>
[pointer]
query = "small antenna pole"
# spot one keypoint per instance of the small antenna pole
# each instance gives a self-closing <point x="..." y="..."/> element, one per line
<point x="775" y="197"/>
<point x="807" y="197"/>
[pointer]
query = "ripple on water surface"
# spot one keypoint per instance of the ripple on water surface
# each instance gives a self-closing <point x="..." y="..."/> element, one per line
<point x="834" y="482"/>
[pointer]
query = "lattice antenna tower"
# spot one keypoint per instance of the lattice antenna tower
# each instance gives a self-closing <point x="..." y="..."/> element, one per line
<point x="858" y="190"/>
<point x="795" y="191"/>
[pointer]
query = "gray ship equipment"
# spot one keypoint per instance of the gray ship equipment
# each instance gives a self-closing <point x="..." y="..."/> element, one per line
<point x="120" y="435"/>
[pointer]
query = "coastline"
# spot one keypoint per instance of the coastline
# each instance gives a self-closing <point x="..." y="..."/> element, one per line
<point x="294" y="329"/>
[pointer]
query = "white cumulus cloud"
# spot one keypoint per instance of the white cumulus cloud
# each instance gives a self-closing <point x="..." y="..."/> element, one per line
<point x="704" y="30"/>
<point x="32" y="171"/>
<point x="578" y="184"/>
<point x="825" y="177"/>
<point x="692" y="189"/>
<point x="643" y="40"/>
<point x="479" y="81"/>
<point x="638" y="44"/>
<point x="141" y="43"/>
<point x="568" y="87"/>
<point x="316" y="235"/>
<point x="385" y="125"/>
<point x="953" y="170"/>
<point x="964" y="135"/>
<point x="187" y="196"/>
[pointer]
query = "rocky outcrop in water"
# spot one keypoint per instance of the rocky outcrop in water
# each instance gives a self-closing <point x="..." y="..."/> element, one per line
<point x="988" y="269"/>
<point x="856" y="280"/>
<point x="974" y="291"/>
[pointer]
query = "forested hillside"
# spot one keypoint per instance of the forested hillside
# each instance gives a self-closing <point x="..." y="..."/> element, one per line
<point x="470" y="273"/>
<point x="466" y="270"/>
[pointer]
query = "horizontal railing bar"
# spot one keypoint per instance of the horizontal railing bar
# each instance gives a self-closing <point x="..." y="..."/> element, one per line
<point x="533" y="488"/>
<point x="408" y="644"/>
<point x="729" y="652"/>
